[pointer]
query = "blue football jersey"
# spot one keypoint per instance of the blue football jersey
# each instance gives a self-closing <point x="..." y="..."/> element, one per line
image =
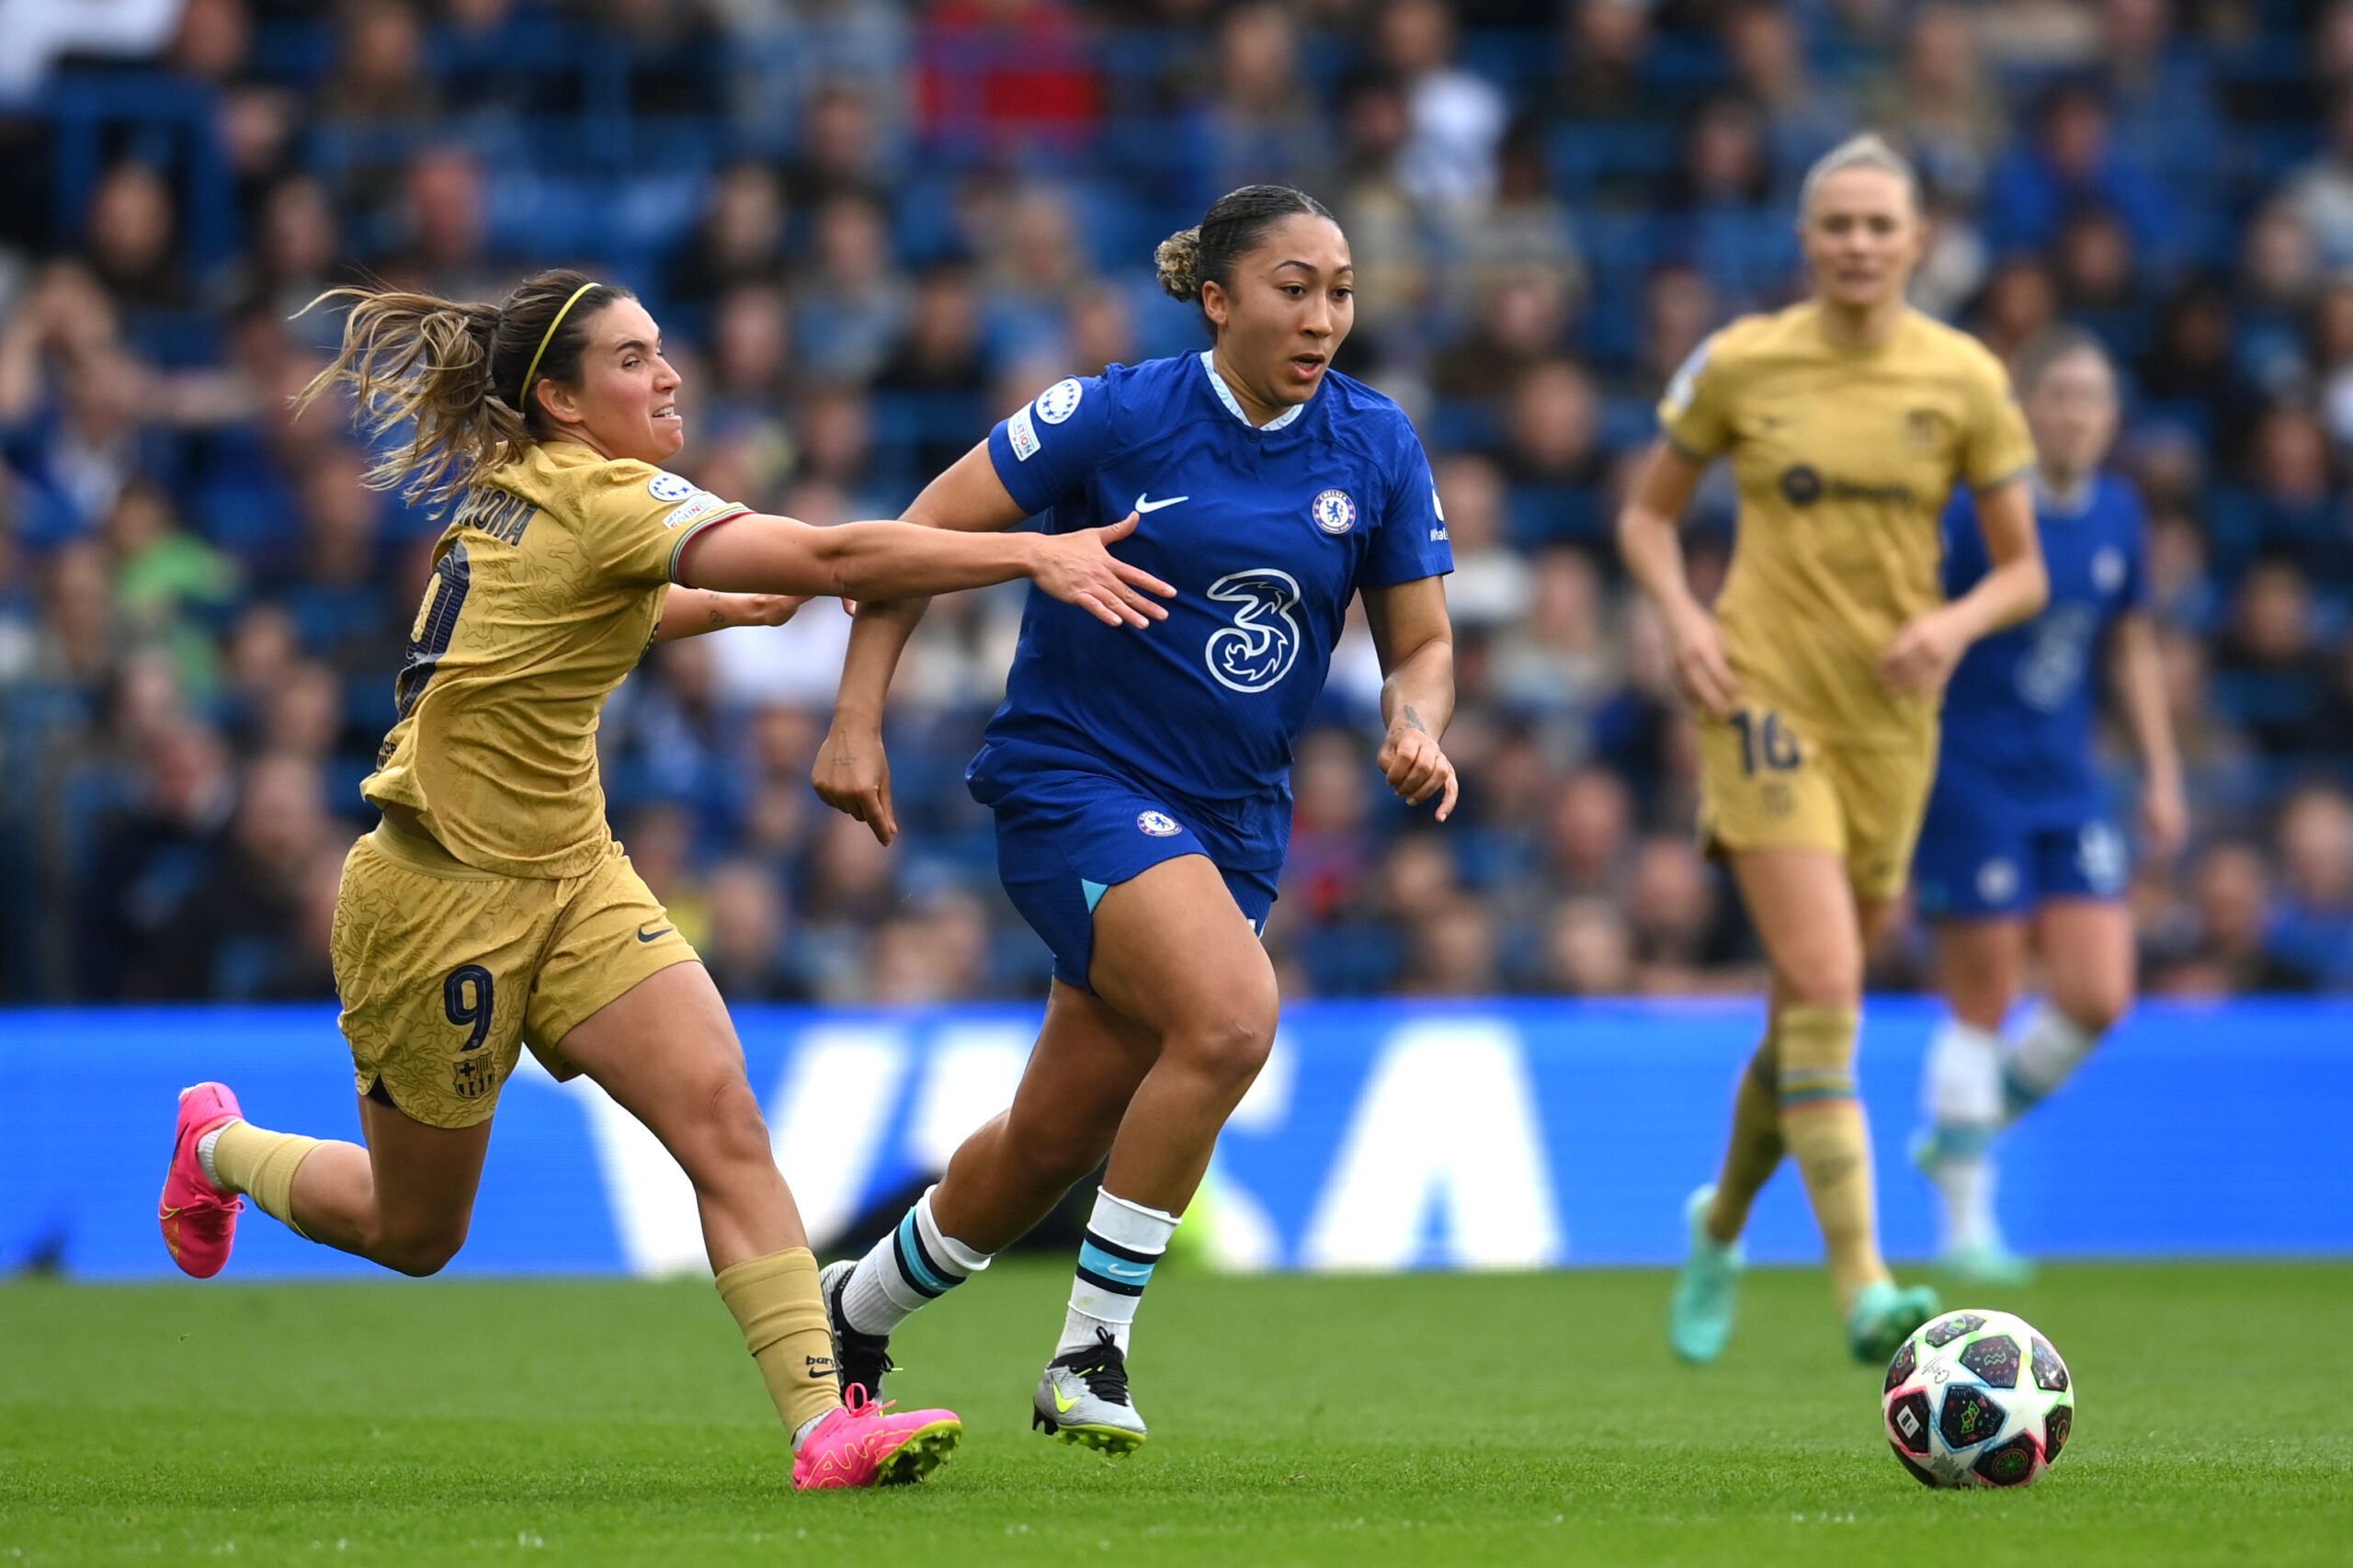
<point x="1266" y="533"/>
<point x="2019" y="715"/>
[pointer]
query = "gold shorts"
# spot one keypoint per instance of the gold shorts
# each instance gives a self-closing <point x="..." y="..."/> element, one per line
<point x="1763" y="785"/>
<point x="447" y="972"/>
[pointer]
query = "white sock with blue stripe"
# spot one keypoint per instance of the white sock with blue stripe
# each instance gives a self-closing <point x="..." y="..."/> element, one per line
<point x="2044" y="1055"/>
<point x="915" y="1264"/>
<point x="1124" y="1243"/>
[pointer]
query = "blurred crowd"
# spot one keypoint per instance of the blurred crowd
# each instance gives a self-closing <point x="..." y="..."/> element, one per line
<point x="870" y="227"/>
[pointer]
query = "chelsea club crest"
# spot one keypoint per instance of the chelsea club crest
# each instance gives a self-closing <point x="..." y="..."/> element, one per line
<point x="1334" y="512"/>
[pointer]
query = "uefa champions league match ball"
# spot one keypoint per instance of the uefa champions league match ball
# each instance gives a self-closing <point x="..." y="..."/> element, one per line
<point x="1978" y="1398"/>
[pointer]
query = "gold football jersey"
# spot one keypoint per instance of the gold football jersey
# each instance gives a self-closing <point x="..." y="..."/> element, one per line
<point x="1845" y="458"/>
<point x="546" y="588"/>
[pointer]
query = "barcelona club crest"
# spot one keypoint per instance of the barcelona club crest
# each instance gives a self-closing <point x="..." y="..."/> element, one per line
<point x="1334" y="512"/>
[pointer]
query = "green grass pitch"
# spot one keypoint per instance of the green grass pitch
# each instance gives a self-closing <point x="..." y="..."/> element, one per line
<point x="1424" y="1419"/>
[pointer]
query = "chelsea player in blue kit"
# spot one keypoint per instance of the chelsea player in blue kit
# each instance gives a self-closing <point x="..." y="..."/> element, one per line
<point x="2018" y="856"/>
<point x="1141" y="789"/>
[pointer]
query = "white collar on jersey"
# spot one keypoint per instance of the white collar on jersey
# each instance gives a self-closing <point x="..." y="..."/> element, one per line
<point x="1225" y="395"/>
<point x="2051" y="503"/>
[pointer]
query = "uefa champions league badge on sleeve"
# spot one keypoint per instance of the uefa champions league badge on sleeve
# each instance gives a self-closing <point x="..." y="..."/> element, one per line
<point x="1334" y="511"/>
<point x="1059" y="402"/>
<point x="669" y="487"/>
<point x="1159" y="824"/>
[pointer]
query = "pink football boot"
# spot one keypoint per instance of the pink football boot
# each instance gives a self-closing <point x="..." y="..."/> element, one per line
<point x="200" y="1220"/>
<point x="865" y="1443"/>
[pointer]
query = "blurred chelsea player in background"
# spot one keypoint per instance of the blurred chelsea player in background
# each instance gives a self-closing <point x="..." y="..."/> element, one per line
<point x="2018" y="855"/>
<point x="1141" y="790"/>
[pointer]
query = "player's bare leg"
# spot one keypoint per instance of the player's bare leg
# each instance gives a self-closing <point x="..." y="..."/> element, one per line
<point x="1814" y="931"/>
<point x="1981" y="969"/>
<point x="1978" y="1081"/>
<point x="1146" y="1069"/>
<point x="403" y="1200"/>
<point x="666" y="1051"/>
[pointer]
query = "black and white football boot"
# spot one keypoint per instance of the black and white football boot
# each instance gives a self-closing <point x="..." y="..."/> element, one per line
<point x="859" y="1358"/>
<point x="1084" y="1399"/>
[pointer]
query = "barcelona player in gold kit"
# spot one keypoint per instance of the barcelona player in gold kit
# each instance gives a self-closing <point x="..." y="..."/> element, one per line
<point x="1847" y="421"/>
<point x="492" y="910"/>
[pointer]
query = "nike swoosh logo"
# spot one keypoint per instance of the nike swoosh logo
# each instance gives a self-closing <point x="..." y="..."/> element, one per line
<point x="646" y="936"/>
<point x="1061" y="1405"/>
<point x="1127" y="1270"/>
<point x="1146" y="504"/>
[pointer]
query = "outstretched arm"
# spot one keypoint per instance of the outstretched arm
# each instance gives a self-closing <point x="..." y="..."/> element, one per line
<point x="1921" y="659"/>
<point x="690" y="612"/>
<point x="1415" y="641"/>
<point x="853" y="771"/>
<point x="863" y="561"/>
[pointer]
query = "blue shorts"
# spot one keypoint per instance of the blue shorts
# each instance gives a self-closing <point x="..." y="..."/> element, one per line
<point x="1065" y="838"/>
<point x="1979" y="858"/>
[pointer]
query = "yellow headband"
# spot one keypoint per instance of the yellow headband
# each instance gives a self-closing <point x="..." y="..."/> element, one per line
<point x="533" y="373"/>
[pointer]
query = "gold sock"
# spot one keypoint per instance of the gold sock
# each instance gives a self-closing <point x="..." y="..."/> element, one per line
<point x="262" y="1166"/>
<point x="1823" y="1121"/>
<point x="1756" y="1149"/>
<point x="776" y="1301"/>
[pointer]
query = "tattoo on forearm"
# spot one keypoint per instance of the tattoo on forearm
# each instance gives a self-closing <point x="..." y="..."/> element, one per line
<point x="1413" y="719"/>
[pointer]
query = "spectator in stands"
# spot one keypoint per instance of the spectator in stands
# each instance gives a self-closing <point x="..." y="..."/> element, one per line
<point x="75" y="450"/>
<point x="1686" y="935"/>
<point x="2160" y="93"/>
<point x="1520" y="321"/>
<point x="849" y="309"/>
<point x="133" y="253"/>
<point x="1803" y="118"/>
<point x="2020" y="304"/>
<point x="2320" y="192"/>
<point x="148" y="862"/>
<point x="1035" y="262"/>
<point x="1101" y="328"/>
<point x="2279" y="278"/>
<point x="1490" y="586"/>
<point x="171" y="586"/>
<point x="751" y="362"/>
<point x="745" y="950"/>
<point x="1559" y="661"/>
<point x="1261" y="125"/>
<point x="740" y="240"/>
<point x="840" y="152"/>
<point x="298" y="258"/>
<point x="938" y="955"/>
<point x="1455" y="118"/>
<point x="2313" y="928"/>
<point x="1587" y="950"/>
<point x="2271" y="678"/>
<point x="2288" y="508"/>
<point x="2232" y="951"/>
<point x="239" y="936"/>
<point x="1386" y="234"/>
<point x="1553" y="457"/>
<point x="1601" y="82"/>
<point x="2187" y="375"/>
<point x="2097" y="276"/>
<point x="1452" y="951"/>
<point x="2074" y="160"/>
<point x="445" y="248"/>
<point x="1589" y="832"/>
<point x="1941" y="110"/>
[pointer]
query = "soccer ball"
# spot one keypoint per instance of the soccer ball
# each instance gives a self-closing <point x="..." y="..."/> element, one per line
<point x="1978" y="1398"/>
